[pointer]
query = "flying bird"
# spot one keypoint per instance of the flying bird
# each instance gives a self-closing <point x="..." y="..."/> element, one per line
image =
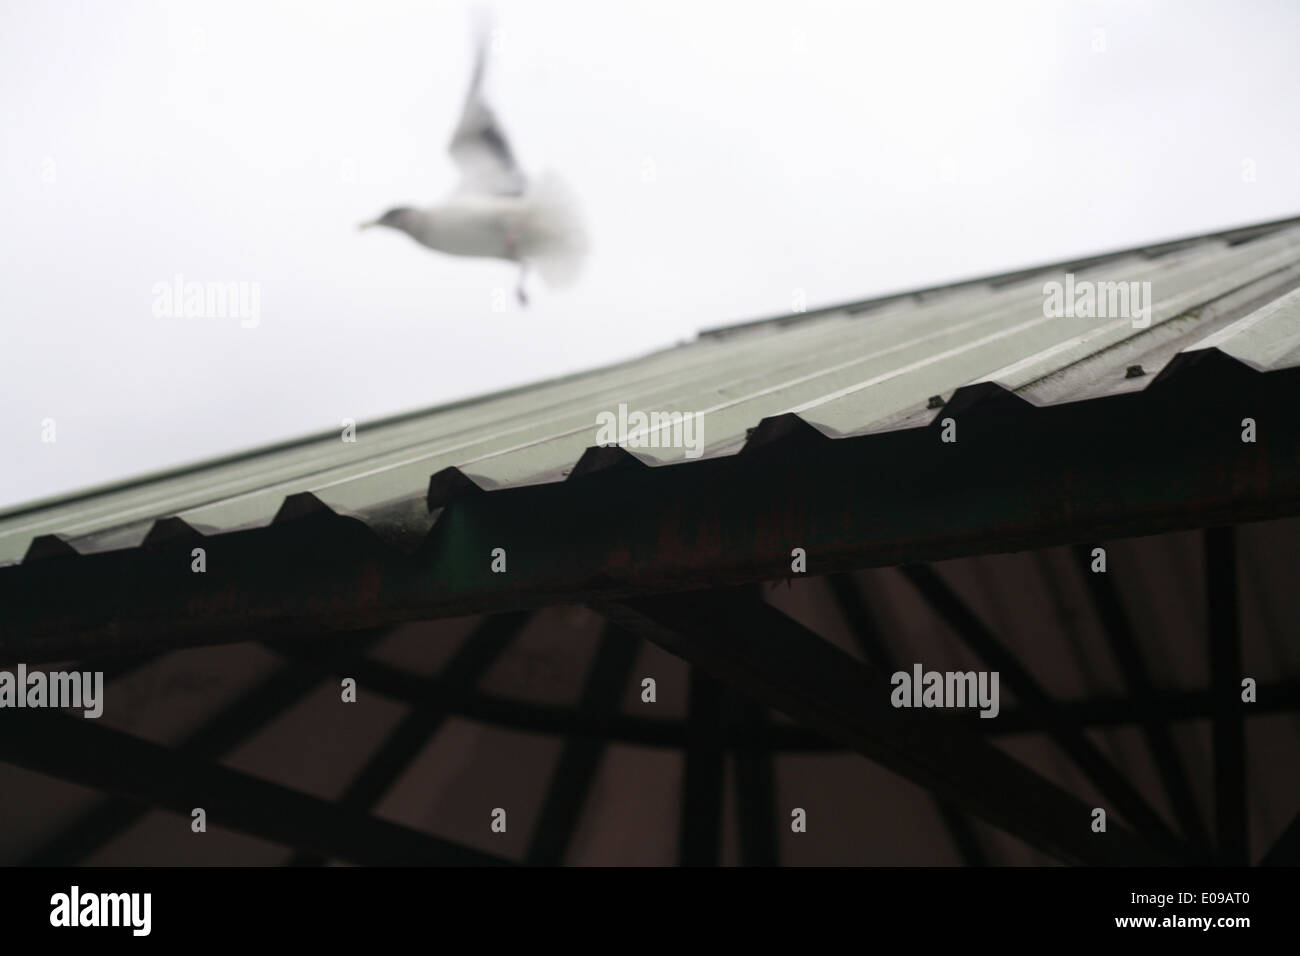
<point x="495" y="211"/>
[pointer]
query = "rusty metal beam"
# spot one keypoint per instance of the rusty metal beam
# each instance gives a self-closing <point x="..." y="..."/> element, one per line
<point x="1164" y="458"/>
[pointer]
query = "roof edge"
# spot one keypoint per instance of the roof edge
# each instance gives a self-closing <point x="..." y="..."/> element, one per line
<point x="1238" y="233"/>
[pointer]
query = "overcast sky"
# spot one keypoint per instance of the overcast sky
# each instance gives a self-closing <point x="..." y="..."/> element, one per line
<point x="730" y="158"/>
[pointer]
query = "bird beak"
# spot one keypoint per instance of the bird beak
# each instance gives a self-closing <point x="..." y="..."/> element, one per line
<point x="367" y="225"/>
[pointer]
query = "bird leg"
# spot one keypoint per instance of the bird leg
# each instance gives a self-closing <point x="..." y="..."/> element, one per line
<point x="519" y="288"/>
<point x="512" y="249"/>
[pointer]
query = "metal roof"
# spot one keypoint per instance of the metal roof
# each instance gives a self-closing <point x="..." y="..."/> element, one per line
<point x="1071" y="428"/>
<point x="851" y="370"/>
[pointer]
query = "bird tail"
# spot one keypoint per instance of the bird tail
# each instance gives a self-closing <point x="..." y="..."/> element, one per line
<point x="558" y="235"/>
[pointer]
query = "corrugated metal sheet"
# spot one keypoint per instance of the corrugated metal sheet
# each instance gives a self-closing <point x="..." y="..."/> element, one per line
<point x="862" y="368"/>
<point x="459" y="711"/>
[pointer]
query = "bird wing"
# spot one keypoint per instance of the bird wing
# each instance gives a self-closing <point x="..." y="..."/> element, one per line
<point x="479" y="146"/>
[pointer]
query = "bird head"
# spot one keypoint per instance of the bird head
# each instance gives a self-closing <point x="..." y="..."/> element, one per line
<point x="396" y="218"/>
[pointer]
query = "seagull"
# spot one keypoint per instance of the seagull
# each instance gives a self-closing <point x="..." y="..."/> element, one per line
<point x="495" y="211"/>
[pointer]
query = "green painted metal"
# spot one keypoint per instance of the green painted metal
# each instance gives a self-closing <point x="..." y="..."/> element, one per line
<point x="846" y="371"/>
<point x="330" y="534"/>
<point x="1165" y="458"/>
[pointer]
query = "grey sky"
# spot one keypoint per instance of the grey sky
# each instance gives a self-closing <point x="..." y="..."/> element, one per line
<point x="730" y="157"/>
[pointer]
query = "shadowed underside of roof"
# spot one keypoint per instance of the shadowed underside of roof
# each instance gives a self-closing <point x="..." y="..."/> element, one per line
<point x="544" y="713"/>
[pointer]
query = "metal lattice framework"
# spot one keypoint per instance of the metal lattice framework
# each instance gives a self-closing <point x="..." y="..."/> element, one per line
<point x="746" y="656"/>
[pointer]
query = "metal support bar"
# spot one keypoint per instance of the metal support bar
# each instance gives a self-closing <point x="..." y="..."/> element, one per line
<point x="382" y="678"/>
<point x="763" y="653"/>
<point x="602" y="693"/>
<point x="85" y="753"/>
<point x="1225" y="681"/>
<point x="862" y="623"/>
<point x="248" y="713"/>
<point x="1285" y="851"/>
<point x="458" y="679"/>
<point x="972" y="631"/>
<point x="755" y="790"/>
<point x="1122" y="640"/>
<point x="1167" y="705"/>
<point x="700" y="839"/>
